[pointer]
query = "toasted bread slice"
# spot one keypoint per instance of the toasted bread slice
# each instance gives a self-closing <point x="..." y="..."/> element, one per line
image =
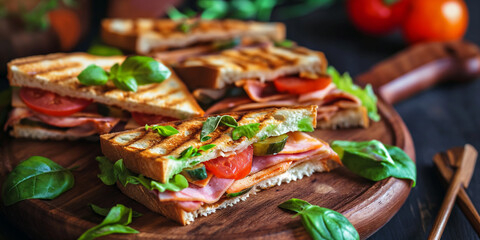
<point x="146" y="35"/>
<point x="173" y="211"/>
<point x="264" y="63"/>
<point x="147" y="153"/>
<point x="58" y="73"/>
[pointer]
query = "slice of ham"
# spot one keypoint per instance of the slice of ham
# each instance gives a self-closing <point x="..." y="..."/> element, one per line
<point x="301" y="142"/>
<point x="226" y="104"/>
<point x="209" y="194"/>
<point x="263" y="91"/>
<point x="79" y="126"/>
<point x="316" y="95"/>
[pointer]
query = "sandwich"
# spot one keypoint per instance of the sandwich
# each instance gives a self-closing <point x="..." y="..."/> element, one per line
<point x="212" y="163"/>
<point x="172" y="40"/>
<point x="49" y="101"/>
<point x="274" y="76"/>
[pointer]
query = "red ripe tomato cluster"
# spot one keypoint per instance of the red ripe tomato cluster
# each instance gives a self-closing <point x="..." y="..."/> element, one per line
<point x="420" y="20"/>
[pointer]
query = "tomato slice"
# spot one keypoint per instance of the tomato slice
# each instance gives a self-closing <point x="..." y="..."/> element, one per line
<point x="236" y="166"/>
<point x="297" y="85"/>
<point x="145" y="118"/>
<point x="51" y="103"/>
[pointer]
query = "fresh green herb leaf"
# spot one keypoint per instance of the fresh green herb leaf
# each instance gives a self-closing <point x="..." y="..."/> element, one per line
<point x="144" y="69"/>
<point x="116" y="221"/>
<point x="37" y="18"/>
<point x="222" y="45"/>
<point x="285" y="43"/>
<point x="104" y="50"/>
<point x="36" y="177"/>
<point x="213" y="9"/>
<point x="373" y="149"/>
<point x="162" y="130"/>
<point x="269" y="130"/>
<point x="321" y="223"/>
<point x="264" y="9"/>
<point x="93" y="75"/>
<point x="176" y="184"/>
<point x="212" y="123"/>
<point x="243" y="9"/>
<point x="370" y="161"/>
<point x="249" y="130"/>
<point x="367" y="96"/>
<point x="174" y="14"/>
<point x="206" y="147"/>
<point x="120" y="173"/>
<point x="104" y="211"/>
<point x="106" y="170"/>
<point x="126" y="83"/>
<point x="305" y="125"/>
<point x="134" y="71"/>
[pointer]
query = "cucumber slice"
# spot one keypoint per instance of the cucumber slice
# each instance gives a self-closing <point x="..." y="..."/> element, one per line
<point x="230" y="195"/>
<point x="269" y="146"/>
<point x="195" y="173"/>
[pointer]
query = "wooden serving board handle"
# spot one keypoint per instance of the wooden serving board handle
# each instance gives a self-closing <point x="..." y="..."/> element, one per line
<point x="422" y="66"/>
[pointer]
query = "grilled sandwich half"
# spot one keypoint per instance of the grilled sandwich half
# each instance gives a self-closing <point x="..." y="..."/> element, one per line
<point x="277" y="152"/>
<point x="248" y="78"/>
<point x="171" y="40"/>
<point x="110" y="108"/>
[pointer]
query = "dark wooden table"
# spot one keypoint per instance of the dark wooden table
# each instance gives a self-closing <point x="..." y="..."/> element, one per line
<point x="439" y="118"/>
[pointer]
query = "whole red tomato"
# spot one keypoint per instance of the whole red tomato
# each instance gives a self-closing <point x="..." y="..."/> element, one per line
<point x="435" y="20"/>
<point x="377" y="17"/>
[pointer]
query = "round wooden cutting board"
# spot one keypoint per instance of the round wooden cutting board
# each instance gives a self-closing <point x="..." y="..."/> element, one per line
<point x="368" y="205"/>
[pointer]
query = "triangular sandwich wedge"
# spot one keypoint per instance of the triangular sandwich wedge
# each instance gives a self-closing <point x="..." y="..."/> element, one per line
<point x="156" y="158"/>
<point x="109" y="107"/>
<point x="172" y="40"/>
<point x="252" y="78"/>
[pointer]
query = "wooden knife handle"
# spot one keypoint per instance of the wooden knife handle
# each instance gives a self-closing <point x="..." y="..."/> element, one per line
<point x="422" y="66"/>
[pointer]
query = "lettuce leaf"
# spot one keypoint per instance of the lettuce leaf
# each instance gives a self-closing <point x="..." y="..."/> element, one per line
<point x="345" y="83"/>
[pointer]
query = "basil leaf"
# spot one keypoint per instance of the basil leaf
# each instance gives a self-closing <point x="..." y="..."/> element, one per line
<point x="206" y="147"/>
<point x="104" y="211"/>
<point x="124" y="176"/>
<point x="115" y="222"/>
<point x="305" y="125"/>
<point x="212" y="123"/>
<point x="321" y="223"/>
<point x="367" y="96"/>
<point x="174" y="14"/>
<point x="373" y="149"/>
<point x="285" y="43"/>
<point x="248" y="130"/>
<point x="162" y="130"/>
<point x="365" y="162"/>
<point x="36" y="177"/>
<point x="104" y="50"/>
<point x="93" y="75"/>
<point x="144" y="70"/>
<point x="125" y="83"/>
<point x="177" y="183"/>
<point x="106" y="171"/>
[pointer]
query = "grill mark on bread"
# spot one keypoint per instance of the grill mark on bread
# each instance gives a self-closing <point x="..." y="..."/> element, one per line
<point x="194" y="131"/>
<point x="245" y="60"/>
<point x="66" y="65"/>
<point x="259" y="57"/>
<point x="38" y="59"/>
<point x="147" y="88"/>
<point x="136" y="139"/>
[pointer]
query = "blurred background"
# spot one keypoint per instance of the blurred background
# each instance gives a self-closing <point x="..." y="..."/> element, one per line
<point x="354" y="35"/>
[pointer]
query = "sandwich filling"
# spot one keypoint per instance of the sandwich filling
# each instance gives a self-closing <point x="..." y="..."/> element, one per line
<point x="74" y="117"/>
<point x="260" y="95"/>
<point x="299" y="147"/>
